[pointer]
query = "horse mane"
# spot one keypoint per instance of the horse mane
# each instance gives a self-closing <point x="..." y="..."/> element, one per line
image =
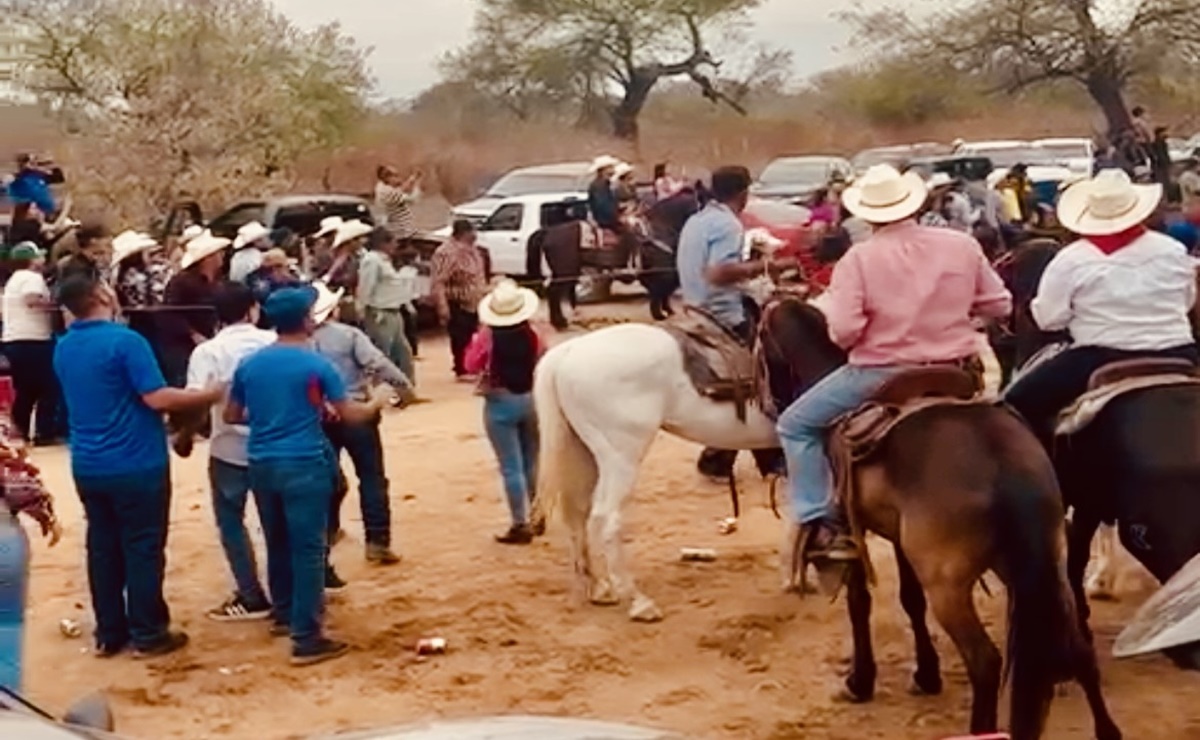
<point x="793" y="350"/>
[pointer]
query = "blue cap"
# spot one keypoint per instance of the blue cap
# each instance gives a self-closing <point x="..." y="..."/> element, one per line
<point x="287" y="308"/>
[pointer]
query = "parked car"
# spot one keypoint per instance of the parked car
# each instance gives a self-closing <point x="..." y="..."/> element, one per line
<point x="967" y="169"/>
<point x="1005" y="154"/>
<point x="565" y="178"/>
<point x="795" y="179"/>
<point x="1076" y="154"/>
<point x="897" y="156"/>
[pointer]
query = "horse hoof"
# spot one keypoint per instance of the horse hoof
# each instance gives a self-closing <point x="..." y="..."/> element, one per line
<point x="605" y="596"/>
<point x="925" y="687"/>
<point x="645" y="611"/>
<point x="847" y="695"/>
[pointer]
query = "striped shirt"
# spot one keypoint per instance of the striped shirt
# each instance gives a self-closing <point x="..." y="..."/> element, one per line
<point x="459" y="275"/>
<point x="396" y="205"/>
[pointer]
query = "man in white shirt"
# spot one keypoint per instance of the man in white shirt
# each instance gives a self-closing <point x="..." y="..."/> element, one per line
<point x="29" y="346"/>
<point x="213" y="362"/>
<point x="252" y="239"/>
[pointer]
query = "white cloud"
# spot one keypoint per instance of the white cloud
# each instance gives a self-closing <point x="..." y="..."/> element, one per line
<point x="408" y="43"/>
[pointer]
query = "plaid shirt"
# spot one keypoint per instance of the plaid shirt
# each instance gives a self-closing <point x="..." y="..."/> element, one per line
<point x="459" y="275"/>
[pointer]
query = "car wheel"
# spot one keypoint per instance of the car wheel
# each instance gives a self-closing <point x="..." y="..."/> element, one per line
<point x="594" y="286"/>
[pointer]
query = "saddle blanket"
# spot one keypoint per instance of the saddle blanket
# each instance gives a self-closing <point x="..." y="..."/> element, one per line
<point x="1088" y="406"/>
<point x="718" y="364"/>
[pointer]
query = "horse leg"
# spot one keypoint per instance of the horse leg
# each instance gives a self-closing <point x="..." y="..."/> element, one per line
<point x="1087" y="673"/>
<point x="554" y="297"/>
<point x="955" y="611"/>
<point x="616" y="480"/>
<point x="860" y="684"/>
<point x="1080" y="532"/>
<point x="1100" y="581"/>
<point x="927" y="680"/>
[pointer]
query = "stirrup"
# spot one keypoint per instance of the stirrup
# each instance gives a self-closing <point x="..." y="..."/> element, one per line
<point x="832" y="574"/>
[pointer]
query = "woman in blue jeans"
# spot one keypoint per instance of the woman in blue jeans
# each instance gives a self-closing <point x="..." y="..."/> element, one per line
<point x="503" y="353"/>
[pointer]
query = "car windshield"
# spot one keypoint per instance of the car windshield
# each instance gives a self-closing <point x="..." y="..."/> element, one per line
<point x="1007" y="156"/>
<point x="520" y="183"/>
<point x="796" y="172"/>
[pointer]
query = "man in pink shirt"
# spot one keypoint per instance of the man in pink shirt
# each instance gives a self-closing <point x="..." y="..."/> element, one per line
<point x="900" y="300"/>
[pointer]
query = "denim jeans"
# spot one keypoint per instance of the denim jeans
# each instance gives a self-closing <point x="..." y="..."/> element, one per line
<point x="365" y="447"/>
<point x="512" y="429"/>
<point x="386" y="330"/>
<point x="230" y="488"/>
<point x="803" y="429"/>
<point x="293" y="503"/>
<point x="127" y="519"/>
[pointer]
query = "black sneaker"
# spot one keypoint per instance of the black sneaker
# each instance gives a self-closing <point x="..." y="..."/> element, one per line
<point x="332" y="581"/>
<point x="166" y="645"/>
<point x="235" y="609"/>
<point x="322" y="651"/>
<point x="517" y="534"/>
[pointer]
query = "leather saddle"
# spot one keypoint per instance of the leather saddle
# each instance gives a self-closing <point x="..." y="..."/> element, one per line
<point x="1115" y="372"/>
<point x="1119" y="378"/>
<point x="719" y="364"/>
<point x="594" y="236"/>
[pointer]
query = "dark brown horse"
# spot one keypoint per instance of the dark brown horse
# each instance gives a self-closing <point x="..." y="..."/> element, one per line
<point x="1137" y="463"/>
<point x="960" y="490"/>
<point x="560" y="244"/>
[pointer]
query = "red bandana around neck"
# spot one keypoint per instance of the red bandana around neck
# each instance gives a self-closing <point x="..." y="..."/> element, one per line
<point x="1112" y="242"/>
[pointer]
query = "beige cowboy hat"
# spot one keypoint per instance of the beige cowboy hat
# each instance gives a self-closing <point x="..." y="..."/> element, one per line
<point x="326" y="303"/>
<point x="349" y="231"/>
<point x="128" y="243"/>
<point x="202" y="246"/>
<point x="329" y="225"/>
<point x="249" y="234"/>
<point x="604" y="161"/>
<point x="939" y="180"/>
<point x="622" y="169"/>
<point x="1109" y="203"/>
<point x="190" y="233"/>
<point x="883" y="195"/>
<point x="507" y="305"/>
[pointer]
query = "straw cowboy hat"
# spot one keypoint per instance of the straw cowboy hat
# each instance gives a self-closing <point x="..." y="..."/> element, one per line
<point x="622" y="169"/>
<point x="1107" y="204"/>
<point x="349" y="231"/>
<point x="883" y="196"/>
<point x="327" y="301"/>
<point x="249" y="234"/>
<point x="202" y="246"/>
<point x="939" y="180"/>
<point x="128" y="243"/>
<point x="604" y="161"/>
<point x="507" y="305"/>
<point x="190" y="233"/>
<point x="329" y="225"/>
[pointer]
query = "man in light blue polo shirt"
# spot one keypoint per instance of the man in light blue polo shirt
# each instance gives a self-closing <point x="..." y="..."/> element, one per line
<point x="116" y="395"/>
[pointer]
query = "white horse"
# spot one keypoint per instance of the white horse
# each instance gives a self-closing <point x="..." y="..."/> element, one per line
<point x="601" y="399"/>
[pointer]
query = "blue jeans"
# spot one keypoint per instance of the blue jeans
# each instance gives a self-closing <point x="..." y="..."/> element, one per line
<point x="512" y="429"/>
<point x="127" y="518"/>
<point x="14" y="588"/>
<point x="230" y="488"/>
<point x="293" y="504"/>
<point x="365" y="447"/>
<point x="803" y="429"/>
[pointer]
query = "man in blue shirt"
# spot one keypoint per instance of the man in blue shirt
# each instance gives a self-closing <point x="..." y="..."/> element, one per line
<point x="282" y="393"/>
<point x="116" y="395"/>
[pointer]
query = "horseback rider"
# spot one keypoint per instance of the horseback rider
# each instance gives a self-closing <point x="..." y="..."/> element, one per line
<point x="1122" y="291"/>
<point x="898" y="301"/>
<point x="602" y="199"/>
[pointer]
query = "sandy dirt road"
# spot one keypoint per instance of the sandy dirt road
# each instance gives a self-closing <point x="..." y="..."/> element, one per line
<point x="734" y="659"/>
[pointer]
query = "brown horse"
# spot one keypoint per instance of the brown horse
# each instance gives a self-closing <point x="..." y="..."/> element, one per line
<point x="960" y="490"/>
<point x="1137" y="463"/>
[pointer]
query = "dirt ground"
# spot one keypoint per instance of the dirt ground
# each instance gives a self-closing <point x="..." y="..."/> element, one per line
<point x="734" y="659"/>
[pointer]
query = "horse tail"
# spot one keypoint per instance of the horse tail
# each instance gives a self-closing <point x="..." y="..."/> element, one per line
<point x="1043" y="633"/>
<point x="566" y="467"/>
<point x="533" y="254"/>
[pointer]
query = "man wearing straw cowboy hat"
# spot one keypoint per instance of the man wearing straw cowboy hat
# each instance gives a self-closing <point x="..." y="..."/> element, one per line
<point x="252" y="240"/>
<point x="1122" y="291"/>
<point x="359" y="362"/>
<point x="190" y="320"/>
<point x="139" y="282"/>
<point x="904" y="298"/>
<point x="602" y="199"/>
<point x="281" y="392"/>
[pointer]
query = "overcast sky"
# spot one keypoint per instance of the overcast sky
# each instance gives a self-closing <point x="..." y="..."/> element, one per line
<point x="408" y="42"/>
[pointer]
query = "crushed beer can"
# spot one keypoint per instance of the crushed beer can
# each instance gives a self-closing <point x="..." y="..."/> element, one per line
<point x="728" y="525"/>
<point x="697" y="554"/>
<point x="70" y="628"/>
<point x="431" y="646"/>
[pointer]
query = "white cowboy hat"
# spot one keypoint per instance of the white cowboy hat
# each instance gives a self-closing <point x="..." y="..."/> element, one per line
<point x="202" y="246"/>
<point x="939" y="180"/>
<point x="327" y="301"/>
<point x="249" y="234"/>
<point x="190" y="233"/>
<point x="622" y="169"/>
<point x="883" y="196"/>
<point x="128" y="243"/>
<point x="604" y="161"/>
<point x="329" y="225"/>
<point x="1109" y="203"/>
<point x="507" y="305"/>
<point x="762" y="240"/>
<point x="349" y="231"/>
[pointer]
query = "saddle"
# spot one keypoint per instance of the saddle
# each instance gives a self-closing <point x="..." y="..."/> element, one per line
<point x="1119" y="378"/>
<point x="594" y="236"/>
<point x="720" y="366"/>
